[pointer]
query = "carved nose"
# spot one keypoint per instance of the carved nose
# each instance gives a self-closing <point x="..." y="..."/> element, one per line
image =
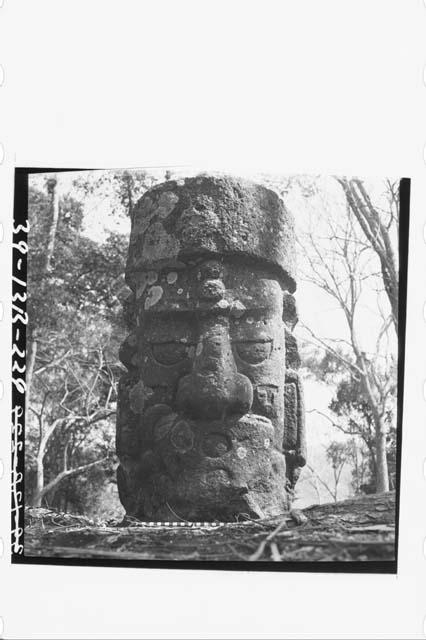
<point x="214" y="388"/>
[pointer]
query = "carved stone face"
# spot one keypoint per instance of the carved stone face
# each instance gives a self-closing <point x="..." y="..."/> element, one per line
<point x="202" y="430"/>
<point x="206" y="382"/>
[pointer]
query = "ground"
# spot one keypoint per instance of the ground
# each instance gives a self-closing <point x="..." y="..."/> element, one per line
<point x="352" y="530"/>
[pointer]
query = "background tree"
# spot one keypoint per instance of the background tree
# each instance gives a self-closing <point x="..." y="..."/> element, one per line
<point x="74" y="309"/>
<point x="377" y="226"/>
<point x="342" y="264"/>
<point x="338" y="455"/>
<point x="51" y="225"/>
<point x="120" y="190"/>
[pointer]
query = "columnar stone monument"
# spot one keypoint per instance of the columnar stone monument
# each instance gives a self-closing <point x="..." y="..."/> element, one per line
<point x="210" y="419"/>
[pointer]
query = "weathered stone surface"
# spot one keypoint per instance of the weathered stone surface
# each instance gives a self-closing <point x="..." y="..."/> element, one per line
<point x="203" y="430"/>
<point x="217" y="215"/>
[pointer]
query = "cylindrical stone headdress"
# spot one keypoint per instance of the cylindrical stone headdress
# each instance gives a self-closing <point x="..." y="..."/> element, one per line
<point x="211" y="215"/>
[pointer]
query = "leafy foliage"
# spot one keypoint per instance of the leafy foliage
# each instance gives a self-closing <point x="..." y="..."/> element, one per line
<point x="76" y="327"/>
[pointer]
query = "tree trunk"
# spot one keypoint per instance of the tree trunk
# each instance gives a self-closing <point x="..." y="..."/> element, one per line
<point x="130" y="197"/>
<point x="43" y="489"/>
<point x="54" y="205"/>
<point x="377" y="236"/>
<point x="382" y="474"/>
<point x="38" y="495"/>
<point x="31" y="356"/>
<point x="32" y="342"/>
<point x="381" y="243"/>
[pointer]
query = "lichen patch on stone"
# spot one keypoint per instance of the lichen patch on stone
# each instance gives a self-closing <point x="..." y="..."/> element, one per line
<point x="154" y="295"/>
<point x="138" y="395"/>
<point x="237" y="309"/>
<point x="142" y="285"/>
<point x="143" y="217"/>
<point x="152" y="277"/>
<point x="166" y="204"/>
<point x="158" y="244"/>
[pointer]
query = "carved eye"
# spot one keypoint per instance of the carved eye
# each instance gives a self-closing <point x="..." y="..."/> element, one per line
<point x="254" y="352"/>
<point x="169" y="353"/>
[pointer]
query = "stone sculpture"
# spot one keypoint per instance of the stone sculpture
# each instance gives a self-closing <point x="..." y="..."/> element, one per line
<point x="210" y="421"/>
